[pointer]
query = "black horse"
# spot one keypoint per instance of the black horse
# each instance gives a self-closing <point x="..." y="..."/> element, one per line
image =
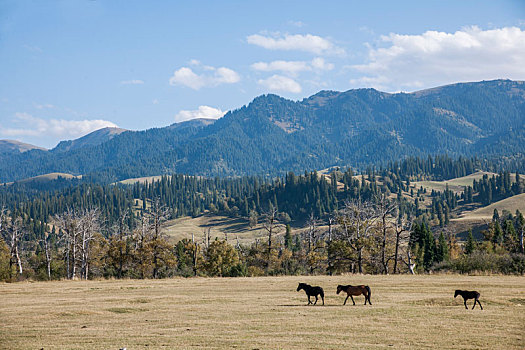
<point x="311" y="291"/>
<point x="467" y="294"/>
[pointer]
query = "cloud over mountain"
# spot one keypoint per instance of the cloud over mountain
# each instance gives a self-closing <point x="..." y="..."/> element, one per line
<point x="409" y="62"/>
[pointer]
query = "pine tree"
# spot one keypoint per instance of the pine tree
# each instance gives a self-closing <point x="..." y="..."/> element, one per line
<point x="470" y="245"/>
<point x="498" y="234"/>
<point x="429" y="248"/>
<point x="442" y="253"/>
<point x="288" y="237"/>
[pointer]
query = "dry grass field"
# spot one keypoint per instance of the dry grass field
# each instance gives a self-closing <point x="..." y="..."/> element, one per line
<point x="220" y="226"/>
<point x="408" y="312"/>
<point x="511" y="204"/>
<point x="457" y="185"/>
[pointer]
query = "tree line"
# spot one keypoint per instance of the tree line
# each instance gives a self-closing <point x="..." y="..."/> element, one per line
<point x="361" y="237"/>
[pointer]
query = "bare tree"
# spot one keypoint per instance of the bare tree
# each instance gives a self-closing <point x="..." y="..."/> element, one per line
<point x="12" y="232"/>
<point x="357" y="221"/>
<point x="312" y="223"/>
<point x="69" y="230"/>
<point x="158" y="214"/>
<point x="411" y="264"/>
<point x="77" y="230"/>
<point x="332" y="220"/>
<point x="270" y="225"/>
<point x="385" y="208"/>
<point x="47" y="250"/>
<point x="89" y="225"/>
<point x="402" y="228"/>
<point x="118" y="241"/>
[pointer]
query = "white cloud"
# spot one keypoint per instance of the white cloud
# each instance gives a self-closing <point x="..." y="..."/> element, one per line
<point x="293" y="67"/>
<point x="308" y="43"/>
<point x="44" y="106"/>
<point x="155" y="101"/>
<point x="436" y="58"/>
<point x="210" y="78"/>
<point x="132" y="82"/>
<point x="202" y="112"/>
<point x="53" y="127"/>
<point x="280" y="83"/>
<point x="319" y="63"/>
<point x="297" y="24"/>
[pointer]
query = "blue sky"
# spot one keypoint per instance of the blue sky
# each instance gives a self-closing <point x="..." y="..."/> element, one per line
<point x="70" y="67"/>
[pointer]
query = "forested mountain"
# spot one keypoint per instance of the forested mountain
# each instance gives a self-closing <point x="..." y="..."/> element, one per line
<point x="92" y="139"/>
<point x="13" y="146"/>
<point x="273" y="135"/>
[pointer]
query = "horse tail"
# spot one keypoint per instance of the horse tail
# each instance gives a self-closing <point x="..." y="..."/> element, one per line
<point x="321" y="292"/>
<point x="369" y="292"/>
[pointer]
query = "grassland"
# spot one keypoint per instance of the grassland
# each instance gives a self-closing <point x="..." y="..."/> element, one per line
<point x="47" y="178"/>
<point x="510" y="204"/>
<point x="457" y="185"/>
<point x="408" y="312"/>
<point x="141" y="180"/>
<point x="220" y="226"/>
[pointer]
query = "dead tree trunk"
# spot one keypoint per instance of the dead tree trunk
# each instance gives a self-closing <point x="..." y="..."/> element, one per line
<point x="410" y="264"/>
<point x="12" y="231"/>
<point x="48" y="257"/>
<point x="269" y="226"/>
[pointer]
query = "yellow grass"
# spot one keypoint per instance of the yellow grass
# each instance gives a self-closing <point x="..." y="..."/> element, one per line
<point x="511" y="204"/>
<point x="141" y="180"/>
<point x="221" y="227"/>
<point x="47" y="177"/>
<point x="408" y="312"/>
<point x="457" y="185"/>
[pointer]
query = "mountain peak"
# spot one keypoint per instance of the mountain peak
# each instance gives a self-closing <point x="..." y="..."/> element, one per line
<point x="13" y="145"/>
<point x="92" y="139"/>
<point x="196" y="122"/>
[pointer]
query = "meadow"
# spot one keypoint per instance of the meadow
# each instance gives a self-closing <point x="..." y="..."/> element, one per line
<point x="408" y="312"/>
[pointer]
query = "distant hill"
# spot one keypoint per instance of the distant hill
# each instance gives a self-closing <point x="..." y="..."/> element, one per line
<point x="510" y="204"/>
<point x="272" y="135"/>
<point x="10" y="146"/>
<point x="92" y="139"/>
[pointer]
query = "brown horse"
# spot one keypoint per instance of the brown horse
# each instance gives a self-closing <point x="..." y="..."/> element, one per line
<point x="466" y="294"/>
<point x="355" y="291"/>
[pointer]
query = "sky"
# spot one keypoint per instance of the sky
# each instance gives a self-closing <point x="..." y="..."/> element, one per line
<point x="70" y="67"/>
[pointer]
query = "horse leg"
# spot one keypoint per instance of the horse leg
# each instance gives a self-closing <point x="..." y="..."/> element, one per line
<point x="346" y="299"/>
<point x="316" y="298"/>
<point x="479" y="304"/>
<point x="465" y="302"/>
<point x="352" y="299"/>
<point x="473" y="306"/>
<point x="309" y="301"/>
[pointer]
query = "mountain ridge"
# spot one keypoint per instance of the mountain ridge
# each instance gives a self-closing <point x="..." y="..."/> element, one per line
<point x="272" y="135"/>
<point x="7" y="146"/>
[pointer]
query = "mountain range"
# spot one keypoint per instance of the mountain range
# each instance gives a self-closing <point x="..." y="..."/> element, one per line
<point x="272" y="135"/>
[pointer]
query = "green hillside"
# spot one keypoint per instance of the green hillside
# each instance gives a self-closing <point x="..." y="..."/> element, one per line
<point x="272" y="135"/>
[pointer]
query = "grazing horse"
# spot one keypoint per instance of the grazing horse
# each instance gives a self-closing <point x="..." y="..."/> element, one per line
<point x="311" y="291"/>
<point x="467" y="294"/>
<point x="355" y="290"/>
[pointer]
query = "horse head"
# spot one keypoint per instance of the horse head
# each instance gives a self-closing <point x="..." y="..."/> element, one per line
<point x="301" y="286"/>
<point x="457" y="292"/>
<point x="339" y="289"/>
